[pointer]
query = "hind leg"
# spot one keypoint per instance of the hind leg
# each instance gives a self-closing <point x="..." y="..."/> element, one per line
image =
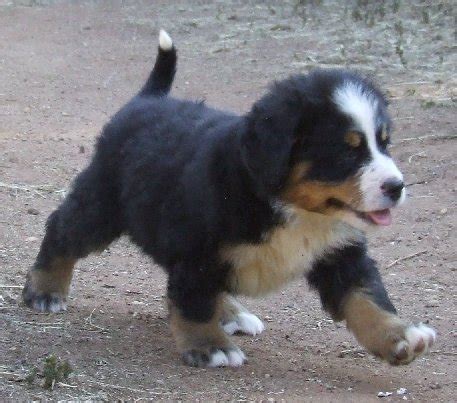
<point x="195" y="298"/>
<point x="237" y="319"/>
<point x="87" y="221"/>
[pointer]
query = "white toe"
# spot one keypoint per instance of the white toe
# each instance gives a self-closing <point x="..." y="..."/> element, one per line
<point x="250" y="323"/>
<point x="231" y="327"/>
<point x="39" y="306"/>
<point x="430" y="332"/>
<point x="402" y="346"/>
<point x="55" y="307"/>
<point x="57" y="304"/>
<point x="245" y="322"/>
<point x="218" y="359"/>
<point x="232" y="358"/>
<point x="418" y="335"/>
<point x="236" y="358"/>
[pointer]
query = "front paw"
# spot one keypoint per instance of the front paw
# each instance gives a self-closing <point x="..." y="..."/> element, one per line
<point x="214" y="357"/>
<point x="409" y="343"/>
<point x="385" y="334"/>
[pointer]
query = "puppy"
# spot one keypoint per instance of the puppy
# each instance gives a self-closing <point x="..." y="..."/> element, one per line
<point x="240" y="205"/>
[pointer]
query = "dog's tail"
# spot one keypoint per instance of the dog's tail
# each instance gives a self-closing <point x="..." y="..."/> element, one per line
<point x="161" y="77"/>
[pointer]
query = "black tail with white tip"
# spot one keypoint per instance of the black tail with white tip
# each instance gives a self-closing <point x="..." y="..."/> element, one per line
<point x="161" y="77"/>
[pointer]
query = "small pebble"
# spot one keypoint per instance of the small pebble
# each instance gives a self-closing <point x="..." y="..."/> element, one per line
<point x="402" y="391"/>
<point x="33" y="211"/>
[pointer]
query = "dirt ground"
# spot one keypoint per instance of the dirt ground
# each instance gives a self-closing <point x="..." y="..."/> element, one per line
<point x="66" y="66"/>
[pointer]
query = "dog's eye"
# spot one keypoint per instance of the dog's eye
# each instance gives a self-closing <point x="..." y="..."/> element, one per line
<point x="353" y="138"/>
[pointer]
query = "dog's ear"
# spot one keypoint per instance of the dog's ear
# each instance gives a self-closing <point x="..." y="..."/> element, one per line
<point x="273" y="128"/>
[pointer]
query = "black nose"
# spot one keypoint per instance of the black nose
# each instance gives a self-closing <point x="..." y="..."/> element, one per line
<point x="393" y="188"/>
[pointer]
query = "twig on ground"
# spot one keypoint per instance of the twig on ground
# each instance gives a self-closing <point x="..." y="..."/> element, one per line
<point x="352" y="351"/>
<point x="66" y="385"/>
<point x="17" y="377"/>
<point x="10" y="223"/>
<point x="421" y="182"/>
<point x="420" y="154"/>
<point x="43" y="323"/>
<point x="10" y="286"/>
<point x="444" y="352"/>
<point x="89" y="321"/>
<point x="410" y="83"/>
<point x="402" y="259"/>
<point x="108" y="385"/>
<point x="22" y="188"/>
<point x="428" y="136"/>
<point x="36" y="189"/>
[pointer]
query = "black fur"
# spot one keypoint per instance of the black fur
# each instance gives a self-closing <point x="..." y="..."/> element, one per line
<point x="346" y="270"/>
<point x="86" y="221"/>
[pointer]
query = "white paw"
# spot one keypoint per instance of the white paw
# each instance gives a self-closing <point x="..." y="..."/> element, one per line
<point x="244" y="322"/>
<point x="418" y="340"/>
<point x="229" y="358"/>
<point x="51" y="303"/>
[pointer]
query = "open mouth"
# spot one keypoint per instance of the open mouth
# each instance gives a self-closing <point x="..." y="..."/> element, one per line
<point x="376" y="217"/>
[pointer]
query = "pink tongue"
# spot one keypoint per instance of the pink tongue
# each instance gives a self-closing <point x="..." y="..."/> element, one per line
<point x="380" y="217"/>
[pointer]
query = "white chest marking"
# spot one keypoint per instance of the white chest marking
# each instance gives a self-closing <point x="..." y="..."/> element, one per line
<point x="289" y="252"/>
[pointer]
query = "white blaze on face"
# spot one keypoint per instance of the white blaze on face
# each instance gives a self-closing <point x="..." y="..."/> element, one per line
<point x="362" y="107"/>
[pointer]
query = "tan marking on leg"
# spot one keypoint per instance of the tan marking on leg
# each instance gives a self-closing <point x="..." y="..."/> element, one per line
<point x="53" y="279"/>
<point x="204" y="344"/>
<point x="196" y="335"/>
<point x="46" y="288"/>
<point x="384" y="333"/>
<point x="371" y="324"/>
<point x="231" y="308"/>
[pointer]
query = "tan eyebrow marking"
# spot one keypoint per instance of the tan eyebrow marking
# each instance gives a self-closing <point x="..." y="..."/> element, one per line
<point x="384" y="134"/>
<point x="354" y="139"/>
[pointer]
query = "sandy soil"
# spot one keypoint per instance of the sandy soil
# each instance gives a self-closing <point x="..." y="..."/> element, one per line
<point x="65" y="67"/>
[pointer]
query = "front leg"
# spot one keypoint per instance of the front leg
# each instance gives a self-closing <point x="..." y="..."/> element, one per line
<point x="350" y="288"/>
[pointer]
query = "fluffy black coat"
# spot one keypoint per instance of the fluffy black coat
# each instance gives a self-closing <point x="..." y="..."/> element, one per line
<point x="182" y="179"/>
